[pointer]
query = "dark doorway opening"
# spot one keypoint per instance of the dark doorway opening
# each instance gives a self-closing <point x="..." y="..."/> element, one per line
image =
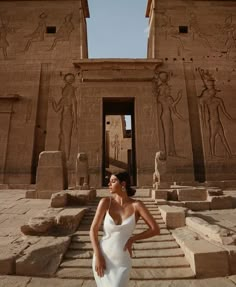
<point x="118" y="138"/>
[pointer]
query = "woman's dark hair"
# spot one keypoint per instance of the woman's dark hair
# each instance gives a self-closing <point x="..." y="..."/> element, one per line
<point x="124" y="176"/>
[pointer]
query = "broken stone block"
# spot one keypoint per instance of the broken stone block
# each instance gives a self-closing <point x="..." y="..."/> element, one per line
<point x="214" y="191"/>
<point x="69" y="219"/>
<point x="220" y="202"/>
<point x="59" y="199"/>
<point x="159" y="194"/>
<point x="210" y="231"/>
<point x="206" y="259"/>
<point x="197" y="205"/>
<point x="42" y="258"/>
<point x="43" y="223"/>
<point x="174" y="217"/>
<point x="51" y="174"/>
<point x="192" y="194"/>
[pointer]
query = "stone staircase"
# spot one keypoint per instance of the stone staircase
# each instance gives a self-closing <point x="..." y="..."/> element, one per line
<point x="156" y="258"/>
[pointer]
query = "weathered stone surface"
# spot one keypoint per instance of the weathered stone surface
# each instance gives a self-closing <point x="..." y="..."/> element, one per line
<point x="214" y="191"/>
<point x="8" y="255"/>
<point x="69" y="219"/>
<point x="220" y="202"/>
<point x="174" y="217"/>
<point x="14" y="281"/>
<point x="210" y="231"/>
<point x="197" y="205"/>
<point x="59" y="199"/>
<point x="231" y="249"/>
<point x="159" y="194"/>
<point x="206" y="260"/>
<point x="51" y="282"/>
<point x="51" y="173"/>
<point x="192" y="194"/>
<point x="42" y="258"/>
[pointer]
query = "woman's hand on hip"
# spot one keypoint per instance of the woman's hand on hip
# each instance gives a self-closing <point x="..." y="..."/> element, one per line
<point x="100" y="265"/>
<point x="128" y="246"/>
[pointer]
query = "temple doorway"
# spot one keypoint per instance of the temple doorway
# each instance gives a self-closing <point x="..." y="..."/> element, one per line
<point x="118" y="138"/>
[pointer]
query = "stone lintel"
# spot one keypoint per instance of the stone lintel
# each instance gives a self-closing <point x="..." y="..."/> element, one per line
<point x="118" y="64"/>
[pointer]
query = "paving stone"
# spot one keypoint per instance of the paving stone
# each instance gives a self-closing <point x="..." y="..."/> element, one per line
<point x="55" y="282"/>
<point x="14" y="281"/>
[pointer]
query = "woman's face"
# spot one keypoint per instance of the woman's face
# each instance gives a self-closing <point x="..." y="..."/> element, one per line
<point x="114" y="184"/>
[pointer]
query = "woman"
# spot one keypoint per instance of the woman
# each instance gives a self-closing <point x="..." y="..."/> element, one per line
<point x="112" y="255"/>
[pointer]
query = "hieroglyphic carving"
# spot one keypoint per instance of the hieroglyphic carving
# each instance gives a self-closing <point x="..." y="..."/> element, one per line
<point x="38" y="34"/>
<point x="4" y="30"/>
<point x="63" y="34"/>
<point x="167" y="105"/>
<point x="67" y="106"/>
<point x="210" y="107"/>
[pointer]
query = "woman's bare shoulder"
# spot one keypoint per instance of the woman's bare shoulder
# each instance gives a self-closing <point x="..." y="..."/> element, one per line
<point x="105" y="201"/>
<point x="138" y="203"/>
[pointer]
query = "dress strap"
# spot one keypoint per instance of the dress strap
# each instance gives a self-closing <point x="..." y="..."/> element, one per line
<point x="109" y="204"/>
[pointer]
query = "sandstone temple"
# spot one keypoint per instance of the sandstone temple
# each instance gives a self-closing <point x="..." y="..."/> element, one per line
<point x="180" y="98"/>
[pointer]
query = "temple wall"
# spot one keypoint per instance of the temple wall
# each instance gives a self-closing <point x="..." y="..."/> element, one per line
<point x="38" y="40"/>
<point x="198" y="37"/>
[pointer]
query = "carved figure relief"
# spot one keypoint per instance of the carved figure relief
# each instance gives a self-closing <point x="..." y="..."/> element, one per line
<point x="115" y="144"/>
<point x="167" y="106"/>
<point x="63" y="34"/>
<point x="196" y="31"/>
<point x="38" y="34"/>
<point x="229" y="29"/>
<point x="211" y="107"/>
<point x="4" y="31"/>
<point x="67" y="106"/>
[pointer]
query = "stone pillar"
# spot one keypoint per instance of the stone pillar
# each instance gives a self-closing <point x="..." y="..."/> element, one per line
<point x="82" y="177"/>
<point x="51" y="174"/>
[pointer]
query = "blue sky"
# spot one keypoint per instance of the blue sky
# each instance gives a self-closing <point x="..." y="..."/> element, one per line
<point x="117" y="29"/>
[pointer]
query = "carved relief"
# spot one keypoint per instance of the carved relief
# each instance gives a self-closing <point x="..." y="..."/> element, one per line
<point x="115" y="144"/>
<point x="197" y="33"/>
<point x="167" y="110"/>
<point x="67" y="106"/>
<point x="63" y="34"/>
<point x="229" y="30"/>
<point x="38" y="34"/>
<point x="211" y="107"/>
<point x="4" y="31"/>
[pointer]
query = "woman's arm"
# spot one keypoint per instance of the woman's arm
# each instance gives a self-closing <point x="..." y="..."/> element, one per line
<point x="150" y="221"/>
<point x="100" y="264"/>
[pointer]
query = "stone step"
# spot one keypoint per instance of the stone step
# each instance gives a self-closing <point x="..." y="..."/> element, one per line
<point x="163" y="231"/>
<point x="136" y="273"/>
<point x="172" y="252"/>
<point x="137" y="246"/>
<point x="86" y="238"/>
<point x="136" y="263"/>
<point x="88" y="254"/>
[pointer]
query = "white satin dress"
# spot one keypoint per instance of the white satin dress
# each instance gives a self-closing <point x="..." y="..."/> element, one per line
<point x="118" y="261"/>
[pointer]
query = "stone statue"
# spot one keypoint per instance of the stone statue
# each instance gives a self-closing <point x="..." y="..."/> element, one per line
<point x="160" y="168"/>
<point x="82" y="177"/>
